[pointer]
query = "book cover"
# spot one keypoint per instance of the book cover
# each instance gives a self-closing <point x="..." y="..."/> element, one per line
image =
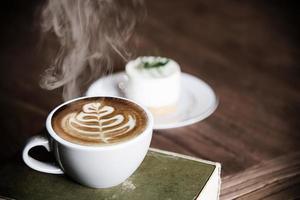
<point x="162" y="175"/>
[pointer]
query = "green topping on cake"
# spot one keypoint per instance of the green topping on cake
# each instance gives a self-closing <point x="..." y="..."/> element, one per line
<point x="156" y="63"/>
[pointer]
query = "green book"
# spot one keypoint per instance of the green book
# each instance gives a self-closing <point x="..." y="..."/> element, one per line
<point x="162" y="175"/>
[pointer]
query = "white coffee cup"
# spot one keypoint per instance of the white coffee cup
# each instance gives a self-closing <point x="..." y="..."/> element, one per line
<point x="92" y="166"/>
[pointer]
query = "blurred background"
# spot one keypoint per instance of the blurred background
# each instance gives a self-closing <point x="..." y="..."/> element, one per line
<point x="248" y="51"/>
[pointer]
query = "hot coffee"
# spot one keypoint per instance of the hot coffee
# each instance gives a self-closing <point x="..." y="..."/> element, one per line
<point x="99" y="121"/>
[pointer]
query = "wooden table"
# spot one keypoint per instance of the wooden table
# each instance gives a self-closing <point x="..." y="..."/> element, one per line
<point x="247" y="51"/>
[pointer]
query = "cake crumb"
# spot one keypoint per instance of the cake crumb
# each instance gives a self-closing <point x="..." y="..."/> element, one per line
<point x="128" y="185"/>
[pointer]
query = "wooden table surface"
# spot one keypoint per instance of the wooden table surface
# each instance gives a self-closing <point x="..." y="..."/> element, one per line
<point x="248" y="51"/>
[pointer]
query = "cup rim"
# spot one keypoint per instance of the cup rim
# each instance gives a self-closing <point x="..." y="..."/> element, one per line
<point x="52" y="133"/>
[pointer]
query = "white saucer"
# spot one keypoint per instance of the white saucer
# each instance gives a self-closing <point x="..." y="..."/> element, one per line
<point x="197" y="102"/>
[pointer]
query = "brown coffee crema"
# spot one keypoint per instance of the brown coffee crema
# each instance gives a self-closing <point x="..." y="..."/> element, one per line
<point x="99" y="121"/>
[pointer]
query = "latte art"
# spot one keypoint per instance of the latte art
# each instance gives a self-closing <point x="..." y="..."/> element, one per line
<point x="99" y="121"/>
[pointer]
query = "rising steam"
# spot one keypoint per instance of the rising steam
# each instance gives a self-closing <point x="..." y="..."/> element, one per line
<point x="90" y="33"/>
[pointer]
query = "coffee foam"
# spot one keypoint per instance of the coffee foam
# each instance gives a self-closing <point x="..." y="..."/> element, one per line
<point x="99" y="121"/>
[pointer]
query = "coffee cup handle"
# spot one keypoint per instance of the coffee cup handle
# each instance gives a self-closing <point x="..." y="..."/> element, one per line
<point x="36" y="164"/>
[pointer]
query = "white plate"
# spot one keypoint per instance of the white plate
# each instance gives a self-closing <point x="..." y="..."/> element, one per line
<point x="196" y="103"/>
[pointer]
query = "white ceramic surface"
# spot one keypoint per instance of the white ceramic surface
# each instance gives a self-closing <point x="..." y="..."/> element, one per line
<point x="197" y="99"/>
<point x="92" y="166"/>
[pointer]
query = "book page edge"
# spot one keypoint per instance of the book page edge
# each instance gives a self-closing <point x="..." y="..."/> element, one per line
<point x="185" y="156"/>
